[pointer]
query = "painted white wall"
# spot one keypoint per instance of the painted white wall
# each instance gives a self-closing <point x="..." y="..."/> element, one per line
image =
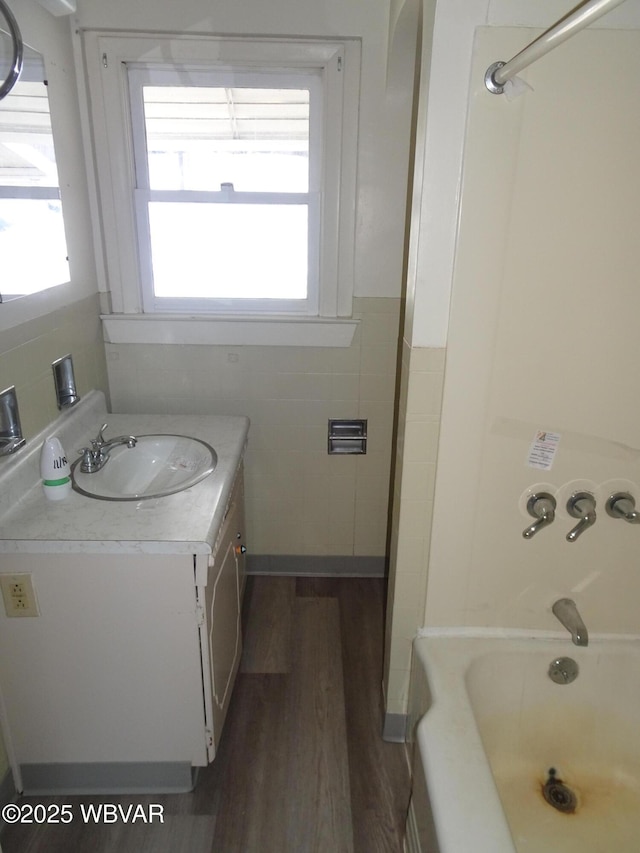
<point x="384" y="113"/>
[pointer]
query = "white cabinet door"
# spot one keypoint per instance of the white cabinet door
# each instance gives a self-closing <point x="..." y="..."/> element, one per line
<point x="221" y="635"/>
<point x="223" y="621"/>
<point x="239" y="530"/>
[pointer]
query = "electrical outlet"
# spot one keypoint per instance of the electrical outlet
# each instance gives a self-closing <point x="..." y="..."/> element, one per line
<point x="19" y="595"/>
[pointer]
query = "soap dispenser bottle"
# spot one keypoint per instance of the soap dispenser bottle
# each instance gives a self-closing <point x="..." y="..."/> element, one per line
<point x="54" y="470"/>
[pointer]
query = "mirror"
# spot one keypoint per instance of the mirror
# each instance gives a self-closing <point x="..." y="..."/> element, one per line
<point x="32" y="238"/>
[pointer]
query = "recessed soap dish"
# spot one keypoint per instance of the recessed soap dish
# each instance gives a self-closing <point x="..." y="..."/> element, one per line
<point x="66" y="393"/>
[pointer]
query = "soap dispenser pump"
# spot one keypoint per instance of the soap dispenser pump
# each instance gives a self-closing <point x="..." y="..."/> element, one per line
<point x="54" y="470"/>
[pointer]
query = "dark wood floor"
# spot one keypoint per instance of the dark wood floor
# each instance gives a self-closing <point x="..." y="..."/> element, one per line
<point x="301" y="766"/>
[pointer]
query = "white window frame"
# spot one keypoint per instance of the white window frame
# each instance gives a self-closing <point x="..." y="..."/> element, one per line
<point x="338" y="63"/>
<point x="140" y="76"/>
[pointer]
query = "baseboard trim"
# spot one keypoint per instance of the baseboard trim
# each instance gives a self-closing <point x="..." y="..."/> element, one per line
<point x="109" y="778"/>
<point x="395" y="728"/>
<point x="318" y="566"/>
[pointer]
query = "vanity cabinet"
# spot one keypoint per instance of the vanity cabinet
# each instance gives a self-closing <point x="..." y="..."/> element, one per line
<point x="123" y="680"/>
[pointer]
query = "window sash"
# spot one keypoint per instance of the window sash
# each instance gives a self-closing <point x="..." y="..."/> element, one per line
<point x="140" y="76"/>
<point x="153" y="303"/>
<point x="30" y="192"/>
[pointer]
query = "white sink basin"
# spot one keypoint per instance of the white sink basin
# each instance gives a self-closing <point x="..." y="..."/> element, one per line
<point x="158" y="465"/>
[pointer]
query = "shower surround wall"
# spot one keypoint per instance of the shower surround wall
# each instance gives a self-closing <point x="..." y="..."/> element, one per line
<point x="543" y="336"/>
<point x="526" y="264"/>
<point x="300" y="501"/>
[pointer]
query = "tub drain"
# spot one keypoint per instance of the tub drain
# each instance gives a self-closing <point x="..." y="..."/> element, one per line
<point x="559" y="795"/>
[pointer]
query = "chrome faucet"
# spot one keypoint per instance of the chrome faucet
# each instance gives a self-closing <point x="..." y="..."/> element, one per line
<point x="96" y="457"/>
<point x="566" y="611"/>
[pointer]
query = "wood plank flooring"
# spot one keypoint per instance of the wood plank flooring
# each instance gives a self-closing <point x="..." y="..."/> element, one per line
<point x="301" y="766"/>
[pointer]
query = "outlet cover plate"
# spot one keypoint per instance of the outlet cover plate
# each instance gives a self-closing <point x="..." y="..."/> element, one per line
<point x="19" y="595"/>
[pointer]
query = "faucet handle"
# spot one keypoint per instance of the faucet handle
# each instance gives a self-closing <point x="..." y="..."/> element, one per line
<point x="581" y="505"/>
<point x="96" y="443"/>
<point x="623" y="505"/>
<point x="542" y="507"/>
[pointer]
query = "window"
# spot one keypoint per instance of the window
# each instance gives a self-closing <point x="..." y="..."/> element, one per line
<point x="32" y="239"/>
<point x="227" y="177"/>
<point x="227" y="189"/>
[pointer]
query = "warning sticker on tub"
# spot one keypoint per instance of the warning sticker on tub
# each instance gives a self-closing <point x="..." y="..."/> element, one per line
<point x="543" y="450"/>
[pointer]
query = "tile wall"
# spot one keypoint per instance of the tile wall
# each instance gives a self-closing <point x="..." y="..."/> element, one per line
<point x="27" y="351"/>
<point x="299" y="499"/>
<point x="419" y="410"/>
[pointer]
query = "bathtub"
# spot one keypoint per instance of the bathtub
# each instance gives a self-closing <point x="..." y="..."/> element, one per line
<point x="497" y="730"/>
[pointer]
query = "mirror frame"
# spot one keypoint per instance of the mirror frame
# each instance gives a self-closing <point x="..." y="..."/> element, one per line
<point x="18" y="51"/>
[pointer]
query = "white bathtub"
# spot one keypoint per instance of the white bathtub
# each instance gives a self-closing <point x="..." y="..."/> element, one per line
<point x="496" y="724"/>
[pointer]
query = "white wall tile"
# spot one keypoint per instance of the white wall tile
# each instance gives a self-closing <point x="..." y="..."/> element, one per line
<point x="27" y="365"/>
<point x="424" y="394"/>
<point x="302" y="500"/>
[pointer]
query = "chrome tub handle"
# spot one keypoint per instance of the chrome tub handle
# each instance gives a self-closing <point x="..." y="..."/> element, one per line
<point x="581" y="505"/>
<point x="542" y="507"/>
<point x="623" y="505"/>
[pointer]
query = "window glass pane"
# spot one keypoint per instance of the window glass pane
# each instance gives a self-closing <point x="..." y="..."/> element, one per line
<point x="32" y="245"/>
<point x="229" y="251"/>
<point x="199" y="138"/>
<point x="27" y="158"/>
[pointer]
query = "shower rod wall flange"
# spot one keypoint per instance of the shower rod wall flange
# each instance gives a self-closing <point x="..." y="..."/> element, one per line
<point x="585" y="13"/>
<point x="489" y="81"/>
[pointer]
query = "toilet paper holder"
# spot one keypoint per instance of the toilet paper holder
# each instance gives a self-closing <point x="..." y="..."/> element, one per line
<point x="347" y="436"/>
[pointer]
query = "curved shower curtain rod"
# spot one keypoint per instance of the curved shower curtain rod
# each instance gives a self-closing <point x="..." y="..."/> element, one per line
<point x="499" y="73"/>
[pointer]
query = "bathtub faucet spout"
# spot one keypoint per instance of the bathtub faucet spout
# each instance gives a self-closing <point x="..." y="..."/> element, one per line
<point x="566" y="611"/>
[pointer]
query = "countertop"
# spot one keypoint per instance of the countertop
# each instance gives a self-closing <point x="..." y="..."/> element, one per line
<point x="183" y="523"/>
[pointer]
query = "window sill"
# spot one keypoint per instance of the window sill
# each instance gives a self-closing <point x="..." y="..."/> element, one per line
<point x="228" y="331"/>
